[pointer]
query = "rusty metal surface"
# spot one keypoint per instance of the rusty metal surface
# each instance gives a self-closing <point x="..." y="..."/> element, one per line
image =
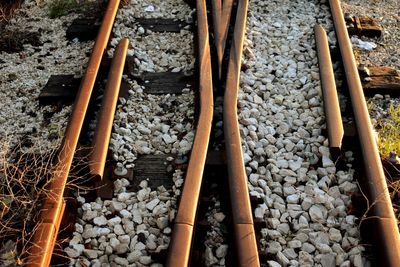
<point x="239" y="193"/>
<point x="179" y="249"/>
<point x="334" y="122"/>
<point x="388" y="239"/>
<point x="44" y="231"/>
<point x="221" y="14"/>
<point x="180" y="246"/>
<point x="245" y="236"/>
<point x="106" y="117"/>
<point x="52" y="210"/>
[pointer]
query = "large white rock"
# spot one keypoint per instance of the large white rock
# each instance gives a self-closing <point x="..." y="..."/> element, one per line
<point x="116" y="206"/>
<point x="118" y="230"/>
<point x="124" y="196"/>
<point x="152" y="204"/>
<point x="221" y="251"/>
<point x="335" y="235"/>
<point x="282" y="259"/>
<point x="100" y="221"/>
<point x="103" y="231"/>
<point x="318" y="213"/>
<point x="72" y="253"/>
<point x="274" y="247"/>
<point x="114" y="242"/>
<point x="114" y="221"/>
<point x="89" y="233"/>
<point x="90" y="253"/>
<point x="273" y="264"/>
<point x="219" y="216"/>
<point x="137" y="216"/>
<point x="209" y="257"/>
<point x="89" y="215"/>
<point x="162" y="222"/>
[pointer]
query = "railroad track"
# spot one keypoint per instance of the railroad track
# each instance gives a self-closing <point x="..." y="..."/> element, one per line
<point x="379" y="216"/>
<point x="221" y="64"/>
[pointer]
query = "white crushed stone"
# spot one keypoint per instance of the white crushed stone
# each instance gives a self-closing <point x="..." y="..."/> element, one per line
<point x="215" y="240"/>
<point x="139" y="222"/>
<point x="387" y="15"/>
<point x="121" y="234"/>
<point x="282" y="141"/>
<point x="152" y="51"/>
<point x="20" y="113"/>
<point x="167" y="117"/>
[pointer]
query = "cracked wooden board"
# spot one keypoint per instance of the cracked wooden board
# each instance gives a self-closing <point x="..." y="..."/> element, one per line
<point x="380" y="80"/>
<point x="363" y="26"/>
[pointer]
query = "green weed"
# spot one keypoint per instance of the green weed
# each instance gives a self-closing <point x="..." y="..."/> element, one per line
<point x="388" y="128"/>
<point x="59" y="8"/>
<point x="389" y="132"/>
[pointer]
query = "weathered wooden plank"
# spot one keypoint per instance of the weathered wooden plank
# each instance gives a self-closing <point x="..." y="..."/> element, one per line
<point x="59" y="88"/>
<point x="191" y="3"/>
<point x="380" y="80"/>
<point x="83" y="29"/>
<point x="63" y="89"/>
<point x="165" y="82"/>
<point x="374" y="71"/>
<point x="163" y="25"/>
<point x="369" y="27"/>
<point x="154" y="169"/>
<point x="363" y="26"/>
<point x="128" y="68"/>
<point x="381" y="85"/>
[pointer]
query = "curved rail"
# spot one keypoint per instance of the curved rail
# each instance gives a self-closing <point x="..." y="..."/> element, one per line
<point x="221" y="14"/>
<point x="246" y="246"/>
<point x="53" y="208"/>
<point x="380" y="213"/>
<point x="180" y="246"/>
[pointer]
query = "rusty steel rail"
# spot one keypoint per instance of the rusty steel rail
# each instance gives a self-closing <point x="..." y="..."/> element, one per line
<point x="102" y="134"/>
<point x="245" y="240"/>
<point x="221" y="14"/>
<point x="53" y="208"/>
<point x="334" y="122"/>
<point x="380" y="213"/>
<point x="181" y="240"/>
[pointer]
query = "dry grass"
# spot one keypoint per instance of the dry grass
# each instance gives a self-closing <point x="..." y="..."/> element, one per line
<point x="25" y="173"/>
<point x="388" y="129"/>
<point x="389" y="132"/>
<point x="23" y="177"/>
<point x="8" y="9"/>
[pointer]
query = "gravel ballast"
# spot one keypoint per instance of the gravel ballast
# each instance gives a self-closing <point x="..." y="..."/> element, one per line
<point x="287" y="158"/>
<point x="24" y="74"/>
<point x="135" y="224"/>
<point x="386" y="13"/>
<point x="280" y="107"/>
<point x="382" y="107"/>
<point x="37" y="49"/>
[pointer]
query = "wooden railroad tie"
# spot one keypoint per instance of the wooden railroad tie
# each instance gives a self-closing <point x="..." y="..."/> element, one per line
<point x="380" y="80"/>
<point x="164" y="25"/>
<point x="363" y="26"/>
<point x="83" y="29"/>
<point x="86" y="29"/>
